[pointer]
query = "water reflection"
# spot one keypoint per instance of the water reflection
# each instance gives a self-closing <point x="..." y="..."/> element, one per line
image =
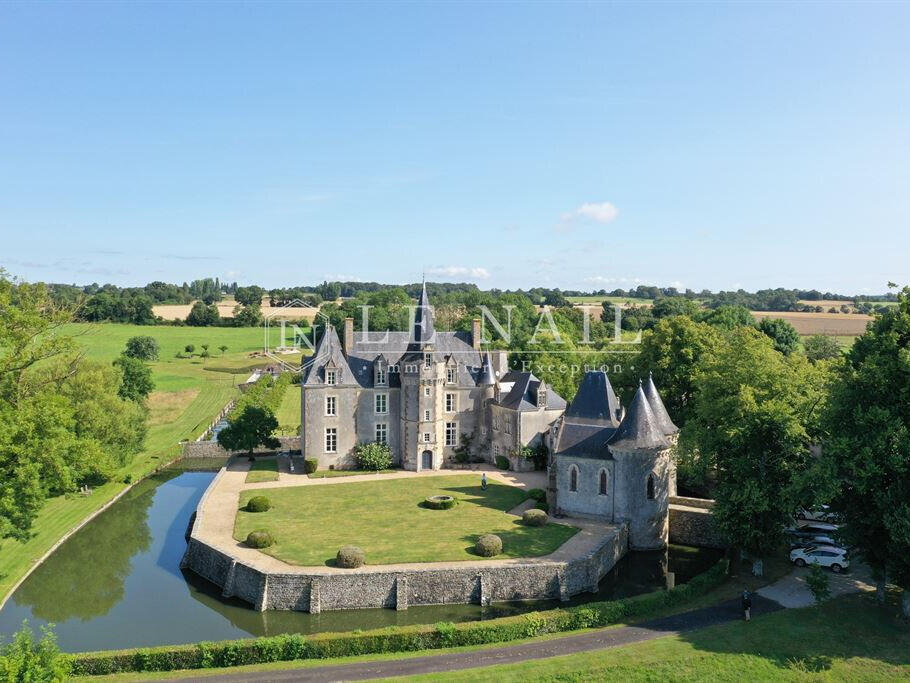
<point x="117" y="583"/>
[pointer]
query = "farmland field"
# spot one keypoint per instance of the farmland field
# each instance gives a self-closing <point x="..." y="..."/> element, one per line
<point x="226" y="310"/>
<point x="835" y="324"/>
<point x="598" y="300"/>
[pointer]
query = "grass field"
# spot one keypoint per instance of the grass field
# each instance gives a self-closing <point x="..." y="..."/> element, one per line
<point x="187" y="397"/>
<point x="386" y="520"/>
<point x="289" y="412"/>
<point x="598" y="300"/>
<point x="262" y="469"/>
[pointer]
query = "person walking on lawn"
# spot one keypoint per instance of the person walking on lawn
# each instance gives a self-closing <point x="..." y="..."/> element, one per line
<point x="747" y="605"/>
<point x="483" y="481"/>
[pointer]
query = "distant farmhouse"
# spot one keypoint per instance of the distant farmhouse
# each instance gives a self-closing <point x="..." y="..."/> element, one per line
<point x="425" y="392"/>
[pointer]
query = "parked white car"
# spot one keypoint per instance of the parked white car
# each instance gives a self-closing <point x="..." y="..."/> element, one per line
<point x="822" y="555"/>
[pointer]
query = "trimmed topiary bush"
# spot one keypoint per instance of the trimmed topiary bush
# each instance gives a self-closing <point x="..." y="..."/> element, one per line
<point x="542" y="505"/>
<point x="350" y="557"/>
<point x="373" y="456"/>
<point x="537" y="494"/>
<point x="534" y="518"/>
<point x="488" y="546"/>
<point x="502" y="462"/>
<point x="439" y="502"/>
<point x="258" y="504"/>
<point x="310" y="465"/>
<point x="259" y="539"/>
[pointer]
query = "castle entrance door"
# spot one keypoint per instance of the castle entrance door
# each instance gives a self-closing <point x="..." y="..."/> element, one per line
<point x="427" y="463"/>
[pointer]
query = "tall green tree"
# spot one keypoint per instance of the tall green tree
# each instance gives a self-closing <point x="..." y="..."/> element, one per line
<point x="252" y="428"/>
<point x="142" y="347"/>
<point x="672" y="352"/>
<point x="753" y="422"/>
<point x="868" y="445"/>
<point x="136" y="382"/>
<point x="822" y="347"/>
<point x="782" y="333"/>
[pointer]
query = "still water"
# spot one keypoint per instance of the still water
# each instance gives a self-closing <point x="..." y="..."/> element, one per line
<point x="117" y="583"/>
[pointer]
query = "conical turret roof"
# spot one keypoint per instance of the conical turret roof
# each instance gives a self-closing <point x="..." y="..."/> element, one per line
<point x="424" y="326"/>
<point x="639" y="429"/>
<point x="595" y="401"/>
<point x="487" y="376"/>
<point x="657" y="407"/>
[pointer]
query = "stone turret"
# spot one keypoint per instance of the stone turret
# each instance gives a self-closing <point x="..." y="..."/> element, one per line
<point x="670" y="430"/>
<point x="643" y="471"/>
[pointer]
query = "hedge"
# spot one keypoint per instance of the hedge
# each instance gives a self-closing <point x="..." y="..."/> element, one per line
<point x="258" y="504"/>
<point x="350" y="557"/>
<point x="439" y="502"/>
<point x="290" y="647"/>
<point x="502" y="462"/>
<point x="310" y="465"/>
<point x="534" y="517"/>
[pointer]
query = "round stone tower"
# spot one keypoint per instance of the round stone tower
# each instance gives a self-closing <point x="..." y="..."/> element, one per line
<point x="643" y="474"/>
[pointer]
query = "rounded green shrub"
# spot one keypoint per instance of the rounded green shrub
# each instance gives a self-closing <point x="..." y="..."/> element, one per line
<point x="439" y="502"/>
<point x="488" y="546"/>
<point x="534" y="517"/>
<point x="537" y="494"/>
<point x="502" y="462"/>
<point x="350" y="557"/>
<point x="259" y="539"/>
<point x="542" y="505"/>
<point x="310" y="465"/>
<point x="258" y="504"/>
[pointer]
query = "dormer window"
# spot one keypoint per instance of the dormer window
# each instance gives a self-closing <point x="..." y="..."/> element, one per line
<point x="450" y="375"/>
<point x="427" y="361"/>
<point x="380" y="375"/>
<point x="542" y="396"/>
<point x="410" y="368"/>
<point x="331" y="377"/>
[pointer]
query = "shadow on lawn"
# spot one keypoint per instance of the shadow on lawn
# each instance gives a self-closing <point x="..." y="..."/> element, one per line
<point x="522" y="541"/>
<point x="808" y="640"/>
<point x="497" y="496"/>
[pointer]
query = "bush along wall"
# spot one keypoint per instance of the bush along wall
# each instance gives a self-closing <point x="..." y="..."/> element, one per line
<point x="393" y="639"/>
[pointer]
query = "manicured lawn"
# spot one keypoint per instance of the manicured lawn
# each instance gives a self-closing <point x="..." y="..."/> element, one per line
<point x="386" y="519"/>
<point x="289" y="412"/>
<point x="846" y="639"/>
<point x="262" y="469"/>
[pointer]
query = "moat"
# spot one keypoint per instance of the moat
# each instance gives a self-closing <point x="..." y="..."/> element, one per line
<point x="117" y="583"/>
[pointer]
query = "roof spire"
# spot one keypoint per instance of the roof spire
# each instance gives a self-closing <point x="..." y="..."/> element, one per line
<point x="487" y="377"/>
<point x="639" y="429"/>
<point x="661" y="415"/>
<point x="424" y="327"/>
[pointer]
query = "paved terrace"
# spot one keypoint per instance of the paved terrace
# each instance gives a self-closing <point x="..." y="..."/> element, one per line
<point x="218" y="508"/>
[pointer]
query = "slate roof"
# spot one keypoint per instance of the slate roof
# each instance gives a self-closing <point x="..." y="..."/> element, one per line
<point x="522" y="394"/>
<point x="639" y="429"/>
<point x="595" y="401"/>
<point x="328" y="354"/>
<point x="657" y="407"/>
<point x="487" y="376"/>
<point x="584" y="440"/>
<point x="424" y="326"/>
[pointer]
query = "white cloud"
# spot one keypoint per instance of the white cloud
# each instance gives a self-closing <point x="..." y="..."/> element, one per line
<point x="475" y="273"/>
<point x="602" y="213"/>
<point x="601" y="280"/>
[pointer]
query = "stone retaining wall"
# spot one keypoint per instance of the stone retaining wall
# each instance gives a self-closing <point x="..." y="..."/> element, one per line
<point x="311" y="590"/>
<point x="694" y="525"/>
<point x="211" y="449"/>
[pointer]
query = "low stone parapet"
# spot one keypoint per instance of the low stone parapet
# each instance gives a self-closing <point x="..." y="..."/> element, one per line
<point x="211" y="449"/>
<point x="693" y="524"/>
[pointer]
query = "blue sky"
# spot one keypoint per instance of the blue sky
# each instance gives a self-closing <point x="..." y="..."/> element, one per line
<point x="585" y="145"/>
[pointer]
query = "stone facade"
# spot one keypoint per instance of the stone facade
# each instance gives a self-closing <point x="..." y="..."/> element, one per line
<point x="422" y="392"/>
<point x="615" y="465"/>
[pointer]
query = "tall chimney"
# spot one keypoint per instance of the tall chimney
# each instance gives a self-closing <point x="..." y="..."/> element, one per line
<point x="348" y="336"/>
<point x="475" y="333"/>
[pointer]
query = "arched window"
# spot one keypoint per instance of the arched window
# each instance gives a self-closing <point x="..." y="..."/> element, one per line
<point x="603" y="483"/>
<point x="650" y="487"/>
<point x="573" y="478"/>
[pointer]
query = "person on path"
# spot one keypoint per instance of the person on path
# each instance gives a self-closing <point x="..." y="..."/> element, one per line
<point x="483" y="481"/>
<point x="747" y="605"/>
